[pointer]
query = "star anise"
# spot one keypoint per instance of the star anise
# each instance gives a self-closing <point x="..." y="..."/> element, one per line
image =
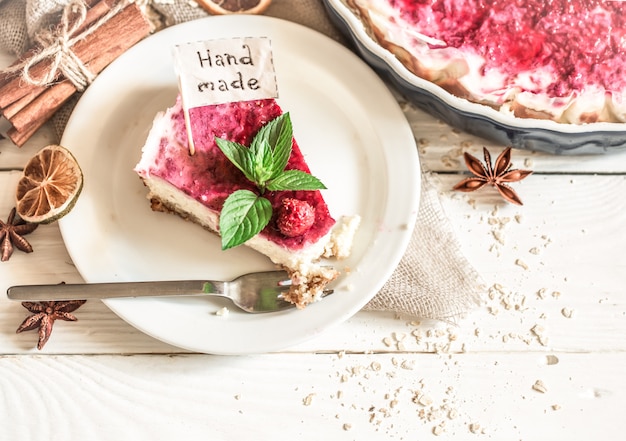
<point x="496" y="175"/>
<point x="44" y="314"/>
<point x="11" y="234"/>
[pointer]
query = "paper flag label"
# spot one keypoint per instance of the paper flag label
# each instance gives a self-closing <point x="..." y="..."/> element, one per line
<point x="225" y="70"/>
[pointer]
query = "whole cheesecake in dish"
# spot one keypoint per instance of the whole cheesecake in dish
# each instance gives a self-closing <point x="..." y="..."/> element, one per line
<point x="563" y="60"/>
<point x="301" y="230"/>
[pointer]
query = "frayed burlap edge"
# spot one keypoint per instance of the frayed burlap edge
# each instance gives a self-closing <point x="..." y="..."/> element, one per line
<point x="433" y="279"/>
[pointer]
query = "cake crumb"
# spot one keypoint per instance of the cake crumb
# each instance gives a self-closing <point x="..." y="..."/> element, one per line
<point x="308" y="399"/>
<point x="539" y="386"/>
<point x="567" y="312"/>
<point x="474" y="428"/>
<point x="422" y="399"/>
<point x="551" y="359"/>
<point x="541" y="293"/>
<point x="521" y="263"/>
<point x="222" y="312"/>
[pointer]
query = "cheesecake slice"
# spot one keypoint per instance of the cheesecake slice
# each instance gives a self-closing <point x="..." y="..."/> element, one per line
<point x="301" y="230"/>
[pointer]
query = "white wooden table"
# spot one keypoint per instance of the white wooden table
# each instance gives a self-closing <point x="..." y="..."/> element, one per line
<point x="555" y="313"/>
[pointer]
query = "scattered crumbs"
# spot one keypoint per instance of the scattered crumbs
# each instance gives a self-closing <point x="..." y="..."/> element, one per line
<point x="438" y="429"/>
<point x="556" y="294"/>
<point x="528" y="162"/>
<point x="518" y="218"/>
<point x="347" y="426"/>
<point x="308" y="399"/>
<point x="493" y="310"/>
<point x="399" y="336"/>
<point x="539" y="332"/>
<point x="422" y="399"/>
<point x="475" y="428"/>
<point x="547" y="240"/>
<point x="521" y="263"/>
<point x="237" y="397"/>
<point x="567" y="312"/>
<point x="222" y="312"/>
<point x="541" y="293"/>
<point x="497" y="235"/>
<point x="408" y="364"/>
<point x="556" y="407"/>
<point x="551" y="359"/>
<point x="540" y="387"/>
<point x="534" y="250"/>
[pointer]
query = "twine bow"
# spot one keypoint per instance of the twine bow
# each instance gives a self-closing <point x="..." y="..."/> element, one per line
<point x="56" y="46"/>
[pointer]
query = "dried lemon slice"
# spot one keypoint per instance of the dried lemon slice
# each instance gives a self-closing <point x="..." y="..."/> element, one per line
<point x="50" y="185"/>
<point x="234" y="6"/>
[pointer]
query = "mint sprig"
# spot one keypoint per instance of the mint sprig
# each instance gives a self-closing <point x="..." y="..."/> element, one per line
<point x="246" y="213"/>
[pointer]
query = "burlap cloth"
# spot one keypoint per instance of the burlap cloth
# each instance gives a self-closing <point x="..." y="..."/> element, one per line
<point x="433" y="280"/>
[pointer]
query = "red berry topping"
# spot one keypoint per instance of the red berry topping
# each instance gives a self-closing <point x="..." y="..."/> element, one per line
<point x="295" y="217"/>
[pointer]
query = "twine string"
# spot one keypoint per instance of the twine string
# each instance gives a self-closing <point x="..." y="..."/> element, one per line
<point x="56" y="46"/>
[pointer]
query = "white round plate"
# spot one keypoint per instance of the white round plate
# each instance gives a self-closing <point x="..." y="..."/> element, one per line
<point x="351" y="131"/>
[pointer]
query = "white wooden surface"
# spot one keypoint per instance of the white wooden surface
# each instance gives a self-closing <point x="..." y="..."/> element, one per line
<point x="554" y="312"/>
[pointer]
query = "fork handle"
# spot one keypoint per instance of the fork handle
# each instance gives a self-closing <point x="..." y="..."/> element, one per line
<point x="85" y="291"/>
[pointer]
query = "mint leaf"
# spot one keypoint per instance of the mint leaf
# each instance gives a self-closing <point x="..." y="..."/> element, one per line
<point x="243" y="216"/>
<point x="295" y="180"/>
<point x="263" y="160"/>
<point x="239" y="155"/>
<point x="279" y="134"/>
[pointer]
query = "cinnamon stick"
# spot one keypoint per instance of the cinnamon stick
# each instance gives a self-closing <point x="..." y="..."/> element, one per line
<point x="98" y="8"/>
<point x="12" y="109"/>
<point x="13" y="88"/>
<point x="20" y="138"/>
<point x="97" y="51"/>
<point x="39" y="110"/>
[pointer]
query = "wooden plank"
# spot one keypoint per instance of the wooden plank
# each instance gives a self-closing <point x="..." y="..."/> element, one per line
<point x="13" y="157"/>
<point x="315" y="396"/>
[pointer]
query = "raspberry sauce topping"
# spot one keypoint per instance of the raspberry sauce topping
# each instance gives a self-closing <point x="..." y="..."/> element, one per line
<point x="580" y="42"/>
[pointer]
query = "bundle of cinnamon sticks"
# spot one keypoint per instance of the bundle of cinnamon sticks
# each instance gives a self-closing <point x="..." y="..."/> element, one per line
<point x="28" y="106"/>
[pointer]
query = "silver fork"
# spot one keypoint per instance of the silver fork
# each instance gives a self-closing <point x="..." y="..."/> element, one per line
<point x="254" y="292"/>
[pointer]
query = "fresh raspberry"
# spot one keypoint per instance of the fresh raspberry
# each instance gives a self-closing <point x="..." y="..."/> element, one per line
<point x="295" y="217"/>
